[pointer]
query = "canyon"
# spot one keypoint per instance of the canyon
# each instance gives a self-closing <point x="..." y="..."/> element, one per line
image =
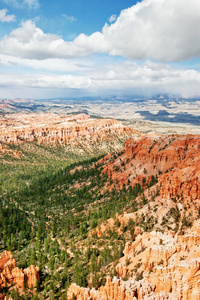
<point x="130" y="217"/>
<point x="164" y="262"/>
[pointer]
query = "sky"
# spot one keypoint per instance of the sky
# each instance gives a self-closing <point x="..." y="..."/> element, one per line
<point x="52" y="49"/>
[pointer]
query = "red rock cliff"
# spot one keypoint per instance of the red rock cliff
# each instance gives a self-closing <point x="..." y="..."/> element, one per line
<point x="174" y="159"/>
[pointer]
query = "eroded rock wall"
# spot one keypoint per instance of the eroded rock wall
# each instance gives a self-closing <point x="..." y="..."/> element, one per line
<point x="12" y="275"/>
<point x="170" y="264"/>
<point x="175" y="160"/>
<point x="52" y="129"/>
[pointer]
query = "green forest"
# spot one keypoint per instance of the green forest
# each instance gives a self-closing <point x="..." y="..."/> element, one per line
<point x="51" y="203"/>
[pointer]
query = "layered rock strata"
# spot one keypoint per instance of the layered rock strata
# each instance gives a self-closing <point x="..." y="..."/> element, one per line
<point x="175" y="160"/>
<point x="52" y="129"/>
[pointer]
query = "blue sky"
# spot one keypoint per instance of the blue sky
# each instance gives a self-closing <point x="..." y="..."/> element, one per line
<point x="78" y="48"/>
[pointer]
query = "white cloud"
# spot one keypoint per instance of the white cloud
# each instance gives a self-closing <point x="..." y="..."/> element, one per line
<point x="125" y="77"/>
<point x="32" y="4"/>
<point x="164" y="30"/>
<point x="29" y="41"/>
<point x="4" y="17"/>
<point x="69" y="18"/>
<point x="48" y="65"/>
<point x="112" y="18"/>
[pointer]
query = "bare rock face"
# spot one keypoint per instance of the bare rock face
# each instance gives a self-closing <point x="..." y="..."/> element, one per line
<point x="3" y="297"/>
<point x="177" y="157"/>
<point x="31" y="276"/>
<point x="114" y="289"/>
<point x="173" y="265"/>
<point x="175" y="160"/>
<point x="4" y="150"/>
<point x="6" y="260"/>
<point x="171" y="269"/>
<point x="57" y="129"/>
<point x="121" y="270"/>
<point x="179" y="268"/>
<point x="12" y="275"/>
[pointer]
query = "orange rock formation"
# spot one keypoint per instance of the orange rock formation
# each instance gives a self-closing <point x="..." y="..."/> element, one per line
<point x="5" y="151"/>
<point x="174" y="159"/>
<point x="168" y="260"/>
<point x="171" y="270"/>
<point x="10" y="274"/>
<point x="114" y="289"/>
<point x="52" y="128"/>
<point x="173" y="265"/>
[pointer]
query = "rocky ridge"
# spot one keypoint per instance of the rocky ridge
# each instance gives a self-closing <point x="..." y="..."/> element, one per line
<point x="164" y="262"/>
<point x="174" y="160"/>
<point x="58" y="129"/>
<point x="114" y="289"/>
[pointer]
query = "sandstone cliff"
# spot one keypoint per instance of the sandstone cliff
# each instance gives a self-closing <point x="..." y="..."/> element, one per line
<point x="58" y="129"/>
<point x="12" y="275"/>
<point x="118" y="289"/>
<point x="167" y="258"/>
<point x="175" y="160"/>
<point x="169" y="263"/>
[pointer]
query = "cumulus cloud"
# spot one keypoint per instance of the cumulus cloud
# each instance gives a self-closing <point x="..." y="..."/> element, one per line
<point x="163" y="30"/>
<point x="4" y="17"/>
<point x="32" y="4"/>
<point x="29" y="41"/>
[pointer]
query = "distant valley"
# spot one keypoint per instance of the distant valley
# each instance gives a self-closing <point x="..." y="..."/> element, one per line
<point x="161" y="114"/>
